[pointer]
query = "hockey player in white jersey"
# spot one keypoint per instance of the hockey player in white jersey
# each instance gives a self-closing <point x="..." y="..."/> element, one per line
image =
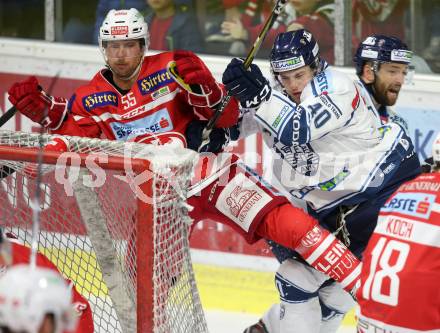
<point x="382" y="63"/>
<point x="329" y="150"/>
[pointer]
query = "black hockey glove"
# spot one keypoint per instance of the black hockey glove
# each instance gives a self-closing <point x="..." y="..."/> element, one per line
<point x="249" y="86"/>
<point x="218" y="138"/>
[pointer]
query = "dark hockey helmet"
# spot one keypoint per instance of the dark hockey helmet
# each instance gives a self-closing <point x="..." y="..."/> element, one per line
<point x="379" y="49"/>
<point x="294" y="49"/>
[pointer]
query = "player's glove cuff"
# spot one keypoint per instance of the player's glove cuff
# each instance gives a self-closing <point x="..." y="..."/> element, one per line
<point x="56" y="114"/>
<point x="209" y="96"/>
<point x="249" y="86"/>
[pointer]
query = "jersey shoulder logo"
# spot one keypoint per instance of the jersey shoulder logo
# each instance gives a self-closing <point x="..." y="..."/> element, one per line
<point x="312" y="237"/>
<point x="99" y="99"/>
<point x="320" y="84"/>
<point x="154" y="81"/>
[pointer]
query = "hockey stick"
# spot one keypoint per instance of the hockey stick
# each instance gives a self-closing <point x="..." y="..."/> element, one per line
<point x="247" y="62"/>
<point x="8" y="115"/>
<point x="35" y="202"/>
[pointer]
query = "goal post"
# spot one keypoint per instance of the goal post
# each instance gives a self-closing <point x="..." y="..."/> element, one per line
<point x="114" y="220"/>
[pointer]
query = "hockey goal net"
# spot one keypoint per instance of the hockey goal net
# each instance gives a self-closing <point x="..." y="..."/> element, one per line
<point x="113" y="219"/>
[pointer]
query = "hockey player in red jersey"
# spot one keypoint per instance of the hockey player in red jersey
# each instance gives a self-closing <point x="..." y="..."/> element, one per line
<point x="400" y="273"/>
<point x="137" y="99"/>
<point x="13" y="253"/>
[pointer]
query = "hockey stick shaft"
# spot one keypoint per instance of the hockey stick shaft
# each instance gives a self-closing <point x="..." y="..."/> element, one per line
<point x="36" y="201"/>
<point x="247" y="62"/>
<point x="8" y="115"/>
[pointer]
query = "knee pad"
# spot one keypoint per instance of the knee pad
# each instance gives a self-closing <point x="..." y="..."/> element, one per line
<point x="335" y="299"/>
<point x="335" y="303"/>
<point x="297" y="282"/>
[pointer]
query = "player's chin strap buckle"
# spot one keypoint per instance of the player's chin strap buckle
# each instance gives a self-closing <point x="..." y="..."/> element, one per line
<point x="342" y="232"/>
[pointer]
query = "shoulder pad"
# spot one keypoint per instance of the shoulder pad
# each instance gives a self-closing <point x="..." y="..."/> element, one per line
<point x="328" y="82"/>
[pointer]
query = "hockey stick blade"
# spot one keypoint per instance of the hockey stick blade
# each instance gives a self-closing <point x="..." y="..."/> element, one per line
<point x="247" y="62"/>
<point x="8" y="115"/>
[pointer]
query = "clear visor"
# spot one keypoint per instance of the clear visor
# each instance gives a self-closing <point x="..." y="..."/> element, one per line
<point x="118" y="49"/>
<point x="410" y="74"/>
<point x="405" y="57"/>
<point x="406" y="70"/>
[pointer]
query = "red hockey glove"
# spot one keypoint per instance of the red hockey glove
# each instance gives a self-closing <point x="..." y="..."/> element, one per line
<point x="204" y="90"/>
<point x="57" y="144"/>
<point x="32" y="102"/>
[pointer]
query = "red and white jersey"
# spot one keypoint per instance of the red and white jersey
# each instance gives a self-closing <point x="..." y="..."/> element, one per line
<point x="401" y="266"/>
<point x="154" y="110"/>
<point x="20" y="254"/>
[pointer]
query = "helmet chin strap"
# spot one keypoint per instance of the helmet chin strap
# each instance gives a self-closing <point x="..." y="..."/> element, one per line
<point x="370" y="88"/>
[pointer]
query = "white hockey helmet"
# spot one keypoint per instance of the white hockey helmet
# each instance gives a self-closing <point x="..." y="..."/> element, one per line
<point x="28" y="294"/>
<point x="436" y="150"/>
<point x="123" y="24"/>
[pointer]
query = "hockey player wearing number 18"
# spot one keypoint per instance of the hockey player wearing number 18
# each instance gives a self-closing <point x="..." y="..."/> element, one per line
<point x="401" y="262"/>
<point x="329" y="150"/>
<point x="136" y="98"/>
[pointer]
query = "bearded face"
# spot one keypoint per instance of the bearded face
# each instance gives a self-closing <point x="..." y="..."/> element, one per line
<point x="389" y="81"/>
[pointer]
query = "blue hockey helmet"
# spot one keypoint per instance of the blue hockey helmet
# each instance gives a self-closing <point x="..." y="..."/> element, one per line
<point x="294" y="49"/>
<point x="380" y="49"/>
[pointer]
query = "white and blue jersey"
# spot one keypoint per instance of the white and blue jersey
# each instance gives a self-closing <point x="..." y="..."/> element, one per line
<point x="330" y="149"/>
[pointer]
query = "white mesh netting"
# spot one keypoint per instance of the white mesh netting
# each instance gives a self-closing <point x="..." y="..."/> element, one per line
<point x="88" y="229"/>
